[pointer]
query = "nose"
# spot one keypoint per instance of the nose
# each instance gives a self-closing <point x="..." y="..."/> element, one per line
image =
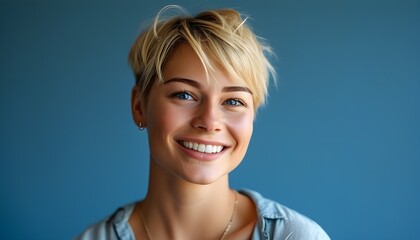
<point x="208" y="117"/>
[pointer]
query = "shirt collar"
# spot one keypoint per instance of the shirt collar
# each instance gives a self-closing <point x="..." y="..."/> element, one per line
<point x="265" y="207"/>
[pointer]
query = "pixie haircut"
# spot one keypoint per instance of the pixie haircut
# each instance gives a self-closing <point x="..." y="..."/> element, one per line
<point x="220" y="38"/>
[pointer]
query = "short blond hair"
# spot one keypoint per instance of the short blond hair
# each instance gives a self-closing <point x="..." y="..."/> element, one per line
<point x="220" y="38"/>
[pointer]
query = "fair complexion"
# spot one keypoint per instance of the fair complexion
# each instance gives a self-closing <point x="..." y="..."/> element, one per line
<point x="199" y="130"/>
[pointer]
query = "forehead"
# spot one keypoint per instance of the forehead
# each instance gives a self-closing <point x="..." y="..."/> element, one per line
<point x="183" y="62"/>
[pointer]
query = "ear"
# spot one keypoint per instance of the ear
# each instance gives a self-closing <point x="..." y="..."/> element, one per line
<point x="137" y="109"/>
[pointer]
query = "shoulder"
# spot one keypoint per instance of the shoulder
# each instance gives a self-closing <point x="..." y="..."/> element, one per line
<point x="276" y="221"/>
<point x="113" y="227"/>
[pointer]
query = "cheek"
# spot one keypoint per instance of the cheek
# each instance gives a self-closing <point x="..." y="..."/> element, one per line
<point x="241" y="128"/>
<point x="158" y="123"/>
<point x="161" y="126"/>
<point x="163" y="121"/>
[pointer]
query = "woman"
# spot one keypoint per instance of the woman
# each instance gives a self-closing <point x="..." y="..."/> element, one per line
<point x="199" y="83"/>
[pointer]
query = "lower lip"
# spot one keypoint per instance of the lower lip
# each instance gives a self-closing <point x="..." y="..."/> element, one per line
<point x="202" y="156"/>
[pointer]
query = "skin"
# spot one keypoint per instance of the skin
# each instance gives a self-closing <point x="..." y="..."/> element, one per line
<point x="189" y="195"/>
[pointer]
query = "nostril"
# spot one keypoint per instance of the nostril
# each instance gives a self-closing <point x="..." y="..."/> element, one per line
<point x="208" y="127"/>
<point x="207" y="124"/>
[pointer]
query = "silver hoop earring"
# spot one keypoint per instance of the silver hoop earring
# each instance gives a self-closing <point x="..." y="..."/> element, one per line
<point x="141" y="128"/>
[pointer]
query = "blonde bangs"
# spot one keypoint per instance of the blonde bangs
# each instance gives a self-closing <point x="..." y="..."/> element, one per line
<point x="220" y="38"/>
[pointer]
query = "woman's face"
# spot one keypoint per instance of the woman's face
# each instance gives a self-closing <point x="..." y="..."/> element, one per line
<point x="198" y="130"/>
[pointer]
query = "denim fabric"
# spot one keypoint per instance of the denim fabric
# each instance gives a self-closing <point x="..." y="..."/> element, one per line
<point x="275" y="222"/>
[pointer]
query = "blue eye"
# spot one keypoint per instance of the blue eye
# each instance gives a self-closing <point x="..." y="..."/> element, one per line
<point x="234" y="102"/>
<point x="183" y="96"/>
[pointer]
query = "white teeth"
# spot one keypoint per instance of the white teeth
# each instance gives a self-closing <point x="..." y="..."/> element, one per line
<point x="209" y="148"/>
<point x="202" y="147"/>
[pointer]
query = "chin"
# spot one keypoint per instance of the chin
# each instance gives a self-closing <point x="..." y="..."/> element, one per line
<point x="204" y="178"/>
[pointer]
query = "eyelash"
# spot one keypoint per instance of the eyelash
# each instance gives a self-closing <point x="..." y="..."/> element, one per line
<point x="238" y="101"/>
<point x="178" y="94"/>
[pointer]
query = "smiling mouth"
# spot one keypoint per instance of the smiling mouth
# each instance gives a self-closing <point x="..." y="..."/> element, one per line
<point x="203" y="148"/>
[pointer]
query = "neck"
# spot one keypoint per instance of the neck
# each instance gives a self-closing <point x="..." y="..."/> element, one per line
<point x="177" y="209"/>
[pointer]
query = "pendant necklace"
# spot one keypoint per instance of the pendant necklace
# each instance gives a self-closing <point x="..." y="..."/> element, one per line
<point x="227" y="229"/>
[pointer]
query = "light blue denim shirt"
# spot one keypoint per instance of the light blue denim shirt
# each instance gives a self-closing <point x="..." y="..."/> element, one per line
<point x="275" y="222"/>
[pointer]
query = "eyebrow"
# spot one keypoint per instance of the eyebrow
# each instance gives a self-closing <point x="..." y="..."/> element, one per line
<point x="196" y="84"/>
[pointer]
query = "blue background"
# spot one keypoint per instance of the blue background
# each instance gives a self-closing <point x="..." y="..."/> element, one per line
<point x="338" y="141"/>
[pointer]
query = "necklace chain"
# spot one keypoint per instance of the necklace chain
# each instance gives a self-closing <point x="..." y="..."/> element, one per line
<point x="144" y="224"/>
<point x="227" y="229"/>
